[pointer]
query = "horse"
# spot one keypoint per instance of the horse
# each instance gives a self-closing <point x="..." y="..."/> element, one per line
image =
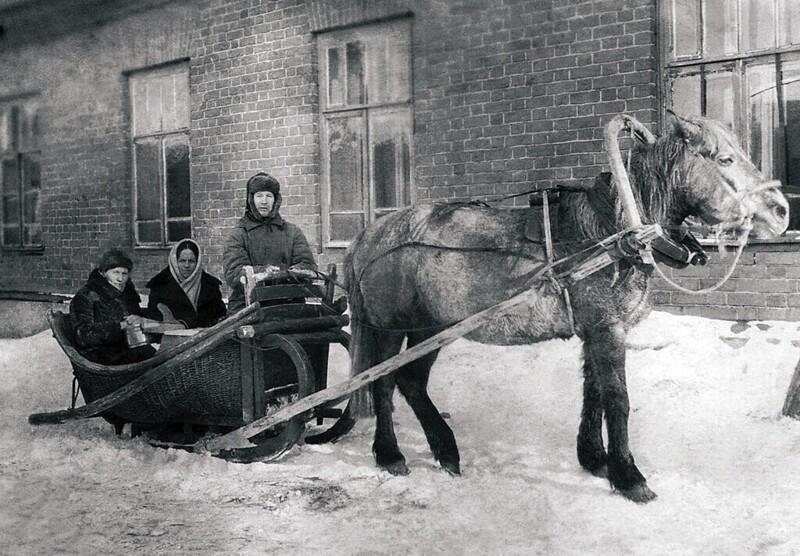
<point x="418" y="270"/>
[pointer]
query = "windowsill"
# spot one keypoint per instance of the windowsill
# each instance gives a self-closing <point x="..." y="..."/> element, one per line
<point x="24" y="250"/>
<point x="788" y="238"/>
<point x="152" y="248"/>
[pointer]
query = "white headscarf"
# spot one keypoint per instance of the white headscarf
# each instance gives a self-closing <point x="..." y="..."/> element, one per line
<point x="191" y="285"/>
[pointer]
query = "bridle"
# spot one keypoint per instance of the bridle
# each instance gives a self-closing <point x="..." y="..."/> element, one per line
<point x="745" y="226"/>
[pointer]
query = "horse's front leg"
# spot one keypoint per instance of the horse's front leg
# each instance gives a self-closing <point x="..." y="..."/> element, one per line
<point x="591" y="452"/>
<point x="604" y="353"/>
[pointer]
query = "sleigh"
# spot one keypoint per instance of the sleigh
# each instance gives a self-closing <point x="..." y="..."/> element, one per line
<point x="212" y="381"/>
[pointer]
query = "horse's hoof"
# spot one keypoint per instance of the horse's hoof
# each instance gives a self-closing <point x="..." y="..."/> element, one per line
<point x="453" y="468"/>
<point x="398" y="468"/>
<point x="640" y="494"/>
<point x="601" y="472"/>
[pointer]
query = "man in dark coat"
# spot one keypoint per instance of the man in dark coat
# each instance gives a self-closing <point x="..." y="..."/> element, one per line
<point x="263" y="238"/>
<point x="102" y="310"/>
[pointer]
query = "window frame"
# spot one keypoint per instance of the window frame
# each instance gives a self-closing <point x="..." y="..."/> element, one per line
<point x="737" y="63"/>
<point x="367" y="110"/>
<point x="178" y="68"/>
<point x="20" y="152"/>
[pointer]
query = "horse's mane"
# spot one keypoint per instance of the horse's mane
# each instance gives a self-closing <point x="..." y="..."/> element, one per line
<point x="655" y="171"/>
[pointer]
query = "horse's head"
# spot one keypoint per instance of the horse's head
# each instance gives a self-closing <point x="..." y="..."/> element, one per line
<point x="720" y="184"/>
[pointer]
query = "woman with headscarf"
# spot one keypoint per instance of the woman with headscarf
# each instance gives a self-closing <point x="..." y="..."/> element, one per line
<point x="190" y="293"/>
<point x="263" y="238"/>
<point x="104" y="308"/>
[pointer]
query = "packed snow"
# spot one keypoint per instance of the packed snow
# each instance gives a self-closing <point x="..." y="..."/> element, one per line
<point x="705" y="427"/>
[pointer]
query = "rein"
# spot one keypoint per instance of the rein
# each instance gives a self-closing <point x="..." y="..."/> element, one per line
<point x="715" y="287"/>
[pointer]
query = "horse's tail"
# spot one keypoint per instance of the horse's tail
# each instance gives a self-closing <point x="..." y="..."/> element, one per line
<point x="361" y="344"/>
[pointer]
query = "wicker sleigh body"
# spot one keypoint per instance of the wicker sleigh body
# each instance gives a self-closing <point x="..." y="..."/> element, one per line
<point x="206" y="389"/>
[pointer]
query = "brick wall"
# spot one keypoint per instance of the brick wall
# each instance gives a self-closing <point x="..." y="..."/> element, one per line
<point x="512" y="93"/>
<point x="507" y="94"/>
<point x="763" y="286"/>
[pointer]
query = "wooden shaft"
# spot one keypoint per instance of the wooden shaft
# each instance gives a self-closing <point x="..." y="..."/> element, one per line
<point x="611" y="135"/>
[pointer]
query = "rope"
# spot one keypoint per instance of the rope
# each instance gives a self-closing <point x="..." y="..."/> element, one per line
<point x="715" y="287"/>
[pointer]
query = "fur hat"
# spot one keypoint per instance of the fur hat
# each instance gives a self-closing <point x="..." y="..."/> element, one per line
<point x="263" y="182"/>
<point x="114" y="258"/>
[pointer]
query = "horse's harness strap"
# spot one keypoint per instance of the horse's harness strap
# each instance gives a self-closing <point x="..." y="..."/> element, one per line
<point x="548" y="246"/>
<point x="665" y="249"/>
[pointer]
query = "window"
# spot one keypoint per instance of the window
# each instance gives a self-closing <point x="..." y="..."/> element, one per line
<point x="365" y="98"/>
<point x="20" y="174"/>
<point x="160" y="135"/>
<point x="738" y="61"/>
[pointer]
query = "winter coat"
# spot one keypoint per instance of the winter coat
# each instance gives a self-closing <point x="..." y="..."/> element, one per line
<point x="96" y="312"/>
<point x="262" y="243"/>
<point x="210" y="307"/>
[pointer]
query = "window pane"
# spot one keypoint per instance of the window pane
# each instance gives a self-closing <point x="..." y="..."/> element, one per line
<point x="789" y="22"/>
<point x="721" y="28"/>
<point x="29" y="127"/>
<point x="10" y="209"/>
<point x="32" y="184"/>
<point x="345" y="227"/>
<point x="686" y="95"/>
<point x="791" y="96"/>
<point x="384" y="173"/>
<point x="182" y="118"/>
<point x="11" y="236"/>
<point x="149" y="232"/>
<point x="140" y="116"/>
<point x="406" y="161"/>
<point x="148" y="180"/>
<point x="355" y="73"/>
<point x="174" y="107"/>
<point x="335" y="77"/>
<point x="176" y="151"/>
<point x="389" y="139"/>
<point x="378" y="71"/>
<point x="758" y="24"/>
<point x="33" y="235"/>
<point x="720" y="97"/>
<point x="685" y="24"/>
<point x="399" y="66"/>
<point x="344" y="144"/>
<point x="10" y="191"/>
<point x="766" y="140"/>
<point x="153" y="123"/>
<point x="5" y="128"/>
<point x="14" y="125"/>
<point x="178" y="230"/>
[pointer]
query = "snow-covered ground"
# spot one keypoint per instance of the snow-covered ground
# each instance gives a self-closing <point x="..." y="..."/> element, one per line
<point x="705" y="427"/>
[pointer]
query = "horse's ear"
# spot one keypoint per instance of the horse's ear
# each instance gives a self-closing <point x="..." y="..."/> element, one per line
<point x="685" y="129"/>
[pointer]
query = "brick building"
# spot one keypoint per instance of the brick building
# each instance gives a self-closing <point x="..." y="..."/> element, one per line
<point x="136" y="124"/>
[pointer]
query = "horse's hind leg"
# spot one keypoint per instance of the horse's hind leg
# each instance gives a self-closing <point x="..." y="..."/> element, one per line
<point x="378" y="347"/>
<point x="604" y="353"/>
<point x="412" y="381"/>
